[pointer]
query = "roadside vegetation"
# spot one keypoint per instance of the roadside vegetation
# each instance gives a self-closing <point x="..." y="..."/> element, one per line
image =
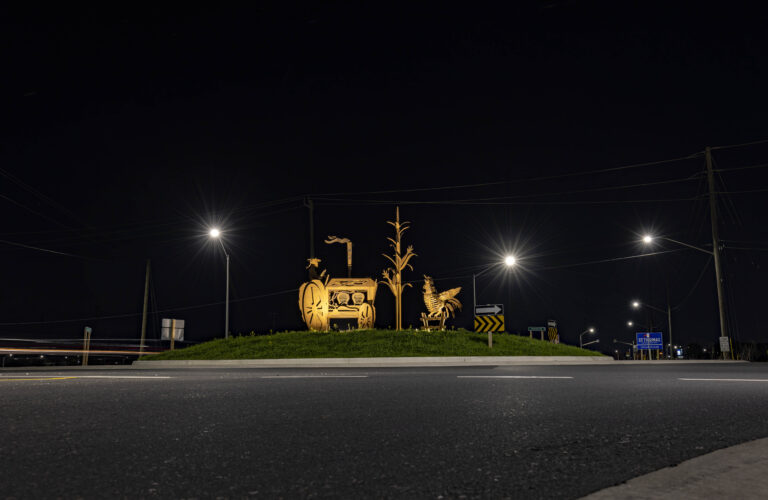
<point x="370" y="344"/>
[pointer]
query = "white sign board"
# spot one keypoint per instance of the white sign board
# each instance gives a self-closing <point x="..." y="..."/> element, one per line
<point x="489" y="309"/>
<point x="725" y="346"/>
<point x="178" y="332"/>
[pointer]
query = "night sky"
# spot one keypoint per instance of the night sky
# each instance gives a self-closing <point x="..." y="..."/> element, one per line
<point x="126" y="134"/>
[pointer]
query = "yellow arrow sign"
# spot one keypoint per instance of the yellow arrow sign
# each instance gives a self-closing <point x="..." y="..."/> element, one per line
<point x="489" y="323"/>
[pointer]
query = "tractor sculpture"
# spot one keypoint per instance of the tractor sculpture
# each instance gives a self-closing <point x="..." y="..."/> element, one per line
<point x="322" y="298"/>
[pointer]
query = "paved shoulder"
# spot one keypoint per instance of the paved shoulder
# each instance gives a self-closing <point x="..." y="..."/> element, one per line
<point x="735" y="472"/>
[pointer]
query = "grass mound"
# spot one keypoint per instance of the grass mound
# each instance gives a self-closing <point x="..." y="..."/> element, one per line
<point x="370" y="344"/>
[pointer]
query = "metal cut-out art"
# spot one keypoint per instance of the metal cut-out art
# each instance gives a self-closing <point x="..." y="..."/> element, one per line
<point x="439" y="305"/>
<point x="322" y="298"/>
<point x="393" y="275"/>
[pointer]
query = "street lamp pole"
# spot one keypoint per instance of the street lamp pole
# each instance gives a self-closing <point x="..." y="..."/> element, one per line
<point x="226" y="304"/>
<point x="715" y="253"/>
<point x="509" y="261"/>
<point x="581" y="336"/>
<point x="216" y="234"/>
<point x="636" y="304"/>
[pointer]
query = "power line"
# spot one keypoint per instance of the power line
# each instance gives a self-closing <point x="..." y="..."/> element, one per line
<point x="729" y="146"/>
<point x="46" y="250"/>
<point x="527" y="179"/>
<point x="695" y="285"/>
<point x="342" y="201"/>
<point x="745" y="167"/>
<point x="133" y="315"/>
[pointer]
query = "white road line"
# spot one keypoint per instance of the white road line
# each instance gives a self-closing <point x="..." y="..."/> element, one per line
<point x="314" y="376"/>
<point x="726" y="379"/>
<point x="505" y="376"/>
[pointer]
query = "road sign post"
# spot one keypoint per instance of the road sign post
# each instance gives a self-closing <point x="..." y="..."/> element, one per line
<point x="86" y="344"/>
<point x="532" y="329"/>
<point x="649" y="341"/>
<point x="489" y="318"/>
<point x="552" y="331"/>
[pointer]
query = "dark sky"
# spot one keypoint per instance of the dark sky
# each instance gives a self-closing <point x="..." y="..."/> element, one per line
<point x="125" y="134"/>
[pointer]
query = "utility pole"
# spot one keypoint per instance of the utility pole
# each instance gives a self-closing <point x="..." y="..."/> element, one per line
<point x="715" y="241"/>
<point x="144" y="312"/>
<point x="669" y="324"/>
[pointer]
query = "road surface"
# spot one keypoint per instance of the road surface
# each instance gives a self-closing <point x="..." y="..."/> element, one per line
<point x="475" y="432"/>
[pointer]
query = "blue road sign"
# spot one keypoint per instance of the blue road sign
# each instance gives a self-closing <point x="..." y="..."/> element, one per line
<point x="649" y="340"/>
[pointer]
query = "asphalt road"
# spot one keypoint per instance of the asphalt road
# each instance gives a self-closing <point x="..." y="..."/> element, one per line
<point x="350" y="433"/>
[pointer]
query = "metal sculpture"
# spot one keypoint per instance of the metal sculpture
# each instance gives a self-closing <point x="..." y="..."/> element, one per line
<point x="439" y="305"/>
<point x="393" y="275"/>
<point x="323" y="298"/>
<point x="336" y="239"/>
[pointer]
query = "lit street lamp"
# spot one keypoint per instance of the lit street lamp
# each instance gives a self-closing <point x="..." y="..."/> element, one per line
<point x="581" y="336"/>
<point x="715" y="253"/>
<point x="636" y="305"/>
<point x="216" y="235"/>
<point x="509" y="261"/>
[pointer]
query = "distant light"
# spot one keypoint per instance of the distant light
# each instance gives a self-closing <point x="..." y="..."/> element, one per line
<point x="629" y="323"/>
<point x="635" y="304"/>
<point x="215" y="233"/>
<point x="509" y="261"/>
<point x="591" y="330"/>
<point x="647" y="238"/>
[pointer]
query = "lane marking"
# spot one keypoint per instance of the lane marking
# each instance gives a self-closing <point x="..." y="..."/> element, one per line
<point x="508" y="376"/>
<point x="726" y="379"/>
<point x="19" y="379"/>
<point x="314" y="376"/>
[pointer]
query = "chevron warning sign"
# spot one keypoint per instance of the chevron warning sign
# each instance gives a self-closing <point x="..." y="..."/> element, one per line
<point x="493" y="323"/>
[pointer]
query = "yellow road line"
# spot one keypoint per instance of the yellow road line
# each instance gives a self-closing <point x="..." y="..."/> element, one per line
<point x="9" y="379"/>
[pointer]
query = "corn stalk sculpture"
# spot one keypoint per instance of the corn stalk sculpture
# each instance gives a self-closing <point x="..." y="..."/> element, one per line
<point x="393" y="275"/>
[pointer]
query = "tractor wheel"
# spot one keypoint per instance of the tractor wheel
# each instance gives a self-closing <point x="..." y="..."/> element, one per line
<point x="366" y="316"/>
<point x="313" y="301"/>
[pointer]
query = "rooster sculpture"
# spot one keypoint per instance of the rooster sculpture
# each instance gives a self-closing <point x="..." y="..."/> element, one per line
<point x="439" y="305"/>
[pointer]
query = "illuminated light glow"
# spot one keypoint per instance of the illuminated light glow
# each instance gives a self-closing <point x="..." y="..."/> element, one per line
<point x="629" y="323"/>
<point x="21" y="350"/>
<point x="647" y="238"/>
<point x="215" y="233"/>
<point x="591" y="330"/>
<point x="10" y="379"/>
<point x="635" y="304"/>
<point x="509" y="261"/>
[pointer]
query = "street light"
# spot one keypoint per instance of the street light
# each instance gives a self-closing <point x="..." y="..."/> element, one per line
<point x="633" y="346"/>
<point x="509" y="261"/>
<point x="629" y="323"/>
<point x="715" y="253"/>
<point x="588" y="330"/>
<point x="216" y="235"/>
<point x="636" y="304"/>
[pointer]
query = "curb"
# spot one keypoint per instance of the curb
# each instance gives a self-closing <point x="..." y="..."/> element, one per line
<point x="377" y="362"/>
<point x="733" y="472"/>
<point x="408" y="361"/>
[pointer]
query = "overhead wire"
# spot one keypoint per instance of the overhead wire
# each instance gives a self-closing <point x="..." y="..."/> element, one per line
<point x="513" y="181"/>
<point x="741" y="145"/>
